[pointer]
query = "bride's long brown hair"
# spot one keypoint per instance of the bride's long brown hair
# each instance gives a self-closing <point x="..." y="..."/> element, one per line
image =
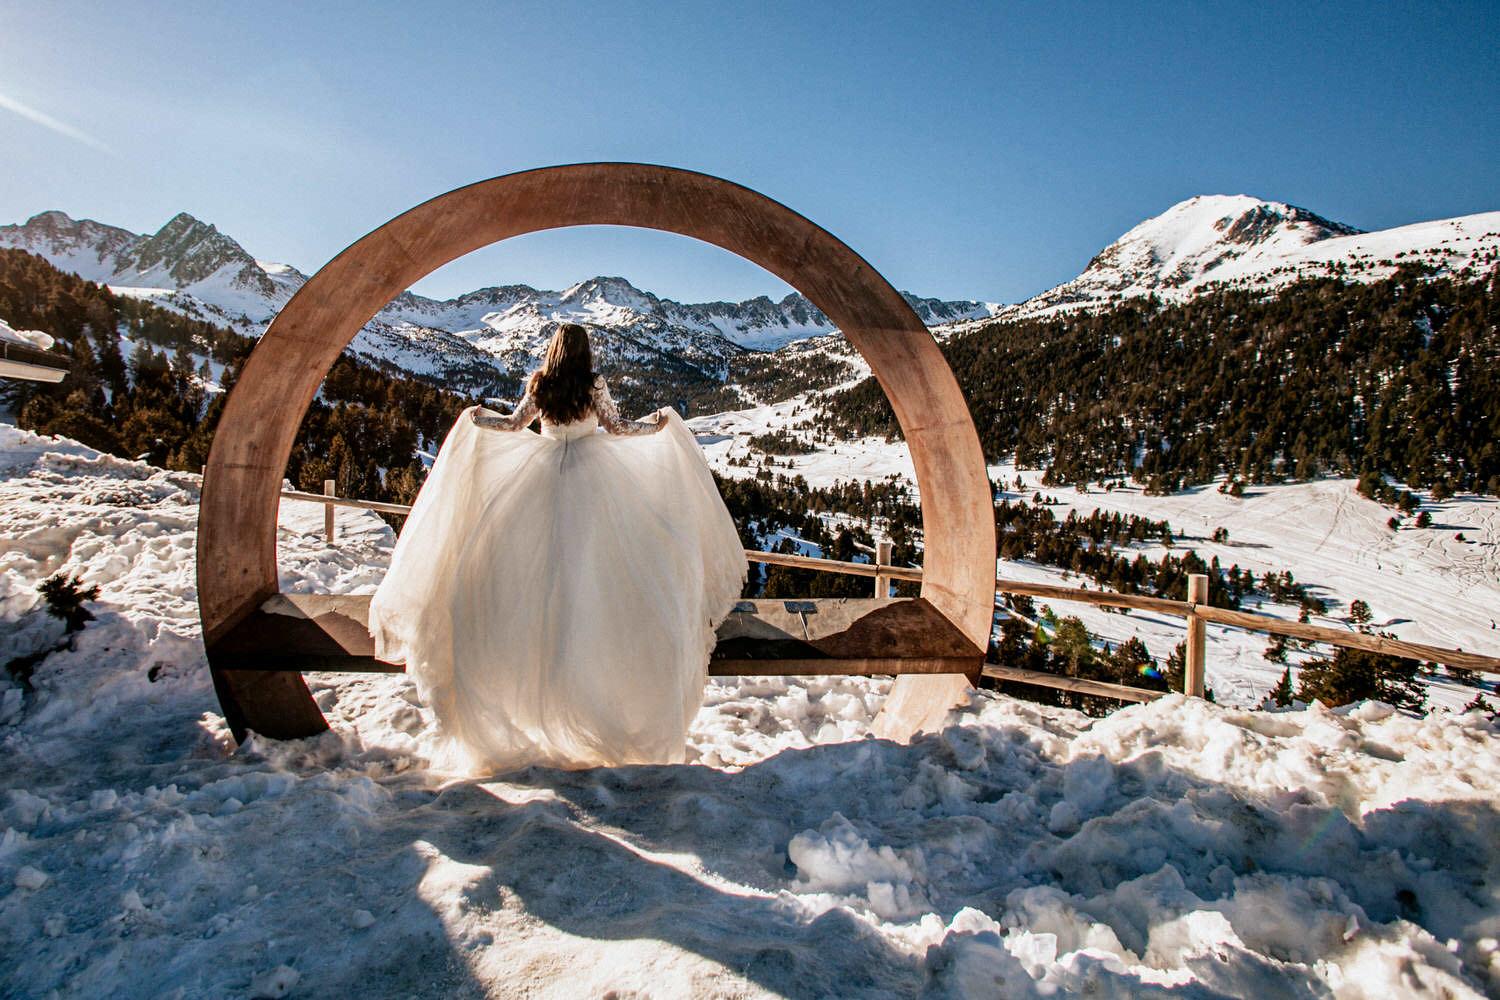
<point x="561" y="386"/>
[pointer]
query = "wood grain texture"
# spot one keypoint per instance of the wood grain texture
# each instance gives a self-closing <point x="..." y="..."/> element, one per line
<point x="237" y="523"/>
<point x="1103" y="598"/>
<point x="838" y="635"/>
<point x="1195" y="661"/>
<point x="1078" y="685"/>
<point x="1350" y="640"/>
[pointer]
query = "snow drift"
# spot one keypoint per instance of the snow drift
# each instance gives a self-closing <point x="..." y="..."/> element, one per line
<point x="1174" y="849"/>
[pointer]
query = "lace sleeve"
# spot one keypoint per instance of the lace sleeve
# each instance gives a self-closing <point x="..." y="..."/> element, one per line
<point x="609" y="414"/>
<point x="519" y="419"/>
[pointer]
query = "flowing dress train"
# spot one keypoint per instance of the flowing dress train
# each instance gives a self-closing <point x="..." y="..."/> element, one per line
<point x="555" y="595"/>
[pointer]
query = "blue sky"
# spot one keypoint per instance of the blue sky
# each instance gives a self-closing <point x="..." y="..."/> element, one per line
<point x="981" y="150"/>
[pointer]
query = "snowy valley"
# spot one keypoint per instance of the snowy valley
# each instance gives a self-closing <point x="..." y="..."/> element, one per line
<point x="1022" y="851"/>
<point x="1173" y="848"/>
<point x="1422" y="584"/>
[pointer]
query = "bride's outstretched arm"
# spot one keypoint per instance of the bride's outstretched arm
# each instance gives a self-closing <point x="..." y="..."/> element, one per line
<point x="609" y="414"/>
<point x="519" y="419"/>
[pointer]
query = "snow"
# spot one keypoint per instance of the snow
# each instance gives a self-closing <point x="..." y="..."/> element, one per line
<point x="504" y="327"/>
<point x="26" y="338"/>
<point x="30" y="878"/>
<point x="274" y="984"/>
<point x="143" y="292"/>
<point x="1244" y="242"/>
<point x="1422" y="584"/>
<point x="1173" y="848"/>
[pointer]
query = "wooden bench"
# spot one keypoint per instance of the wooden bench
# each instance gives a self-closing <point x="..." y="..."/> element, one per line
<point x="300" y="632"/>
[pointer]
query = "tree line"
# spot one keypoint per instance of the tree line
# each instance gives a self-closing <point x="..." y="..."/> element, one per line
<point x="364" y="430"/>
<point x="1397" y="378"/>
<point x="1091" y="546"/>
<point x="768" y="505"/>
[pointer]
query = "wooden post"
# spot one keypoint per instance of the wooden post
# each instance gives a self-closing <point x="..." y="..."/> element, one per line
<point x="328" y="511"/>
<point x="882" y="558"/>
<point x="1197" y="637"/>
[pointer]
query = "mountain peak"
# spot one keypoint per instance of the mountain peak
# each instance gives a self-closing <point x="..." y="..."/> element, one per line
<point x="603" y="285"/>
<point x="1216" y="224"/>
<point x="611" y="290"/>
<point x="84" y="246"/>
<point x="53" y="218"/>
<point x="1238" y="241"/>
<point x="1246" y="220"/>
<point x="1202" y="239"/>
<point x="187" y="250"/>
<point x="183" y="222"/>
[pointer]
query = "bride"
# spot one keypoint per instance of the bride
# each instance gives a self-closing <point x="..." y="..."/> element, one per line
<point x="555" y="596"/>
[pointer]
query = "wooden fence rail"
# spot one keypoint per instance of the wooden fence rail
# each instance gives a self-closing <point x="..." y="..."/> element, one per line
<point x="1258" y="623"/>
<point x="880" y="570"/>
<point x="1078" y="685"/>
<point x="32" y="363"/>
<point x="1196" y="610"/>
<point x="335" y="501"/>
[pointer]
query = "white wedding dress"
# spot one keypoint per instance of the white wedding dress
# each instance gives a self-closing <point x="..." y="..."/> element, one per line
<point x="555" y="596"/>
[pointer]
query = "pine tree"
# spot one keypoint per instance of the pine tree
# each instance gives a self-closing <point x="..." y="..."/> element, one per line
<point x="1480" y="704"/>
<point x="1281" y="694"/>
<point x="1360" y="675"/>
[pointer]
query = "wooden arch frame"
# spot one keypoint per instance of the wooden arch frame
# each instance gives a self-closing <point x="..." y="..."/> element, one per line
<point x="238" y="511"/>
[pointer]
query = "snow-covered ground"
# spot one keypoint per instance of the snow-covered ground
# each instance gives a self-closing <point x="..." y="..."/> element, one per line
<point x="1422" y="584"/>
<point x="25" y="338"/>
<point x="1173" y="849"/>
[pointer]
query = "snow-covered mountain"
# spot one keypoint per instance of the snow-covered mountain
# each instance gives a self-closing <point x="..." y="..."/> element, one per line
<point x="471" y="340"/>
<point x="1239" y="241"/>
<point x="185" y="256"/>
<point x="189" y="265"/>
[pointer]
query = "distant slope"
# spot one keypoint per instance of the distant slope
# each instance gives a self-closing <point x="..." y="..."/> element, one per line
<point x="482" y="341"/>
<point x="1396" y="376"/>
<point x="1235" y="241"/>
<point x="185" y="256"/>
<point x="479" y="340"/>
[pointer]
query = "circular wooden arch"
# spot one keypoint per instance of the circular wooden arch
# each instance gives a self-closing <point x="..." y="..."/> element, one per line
<point x="237" y="514"/>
